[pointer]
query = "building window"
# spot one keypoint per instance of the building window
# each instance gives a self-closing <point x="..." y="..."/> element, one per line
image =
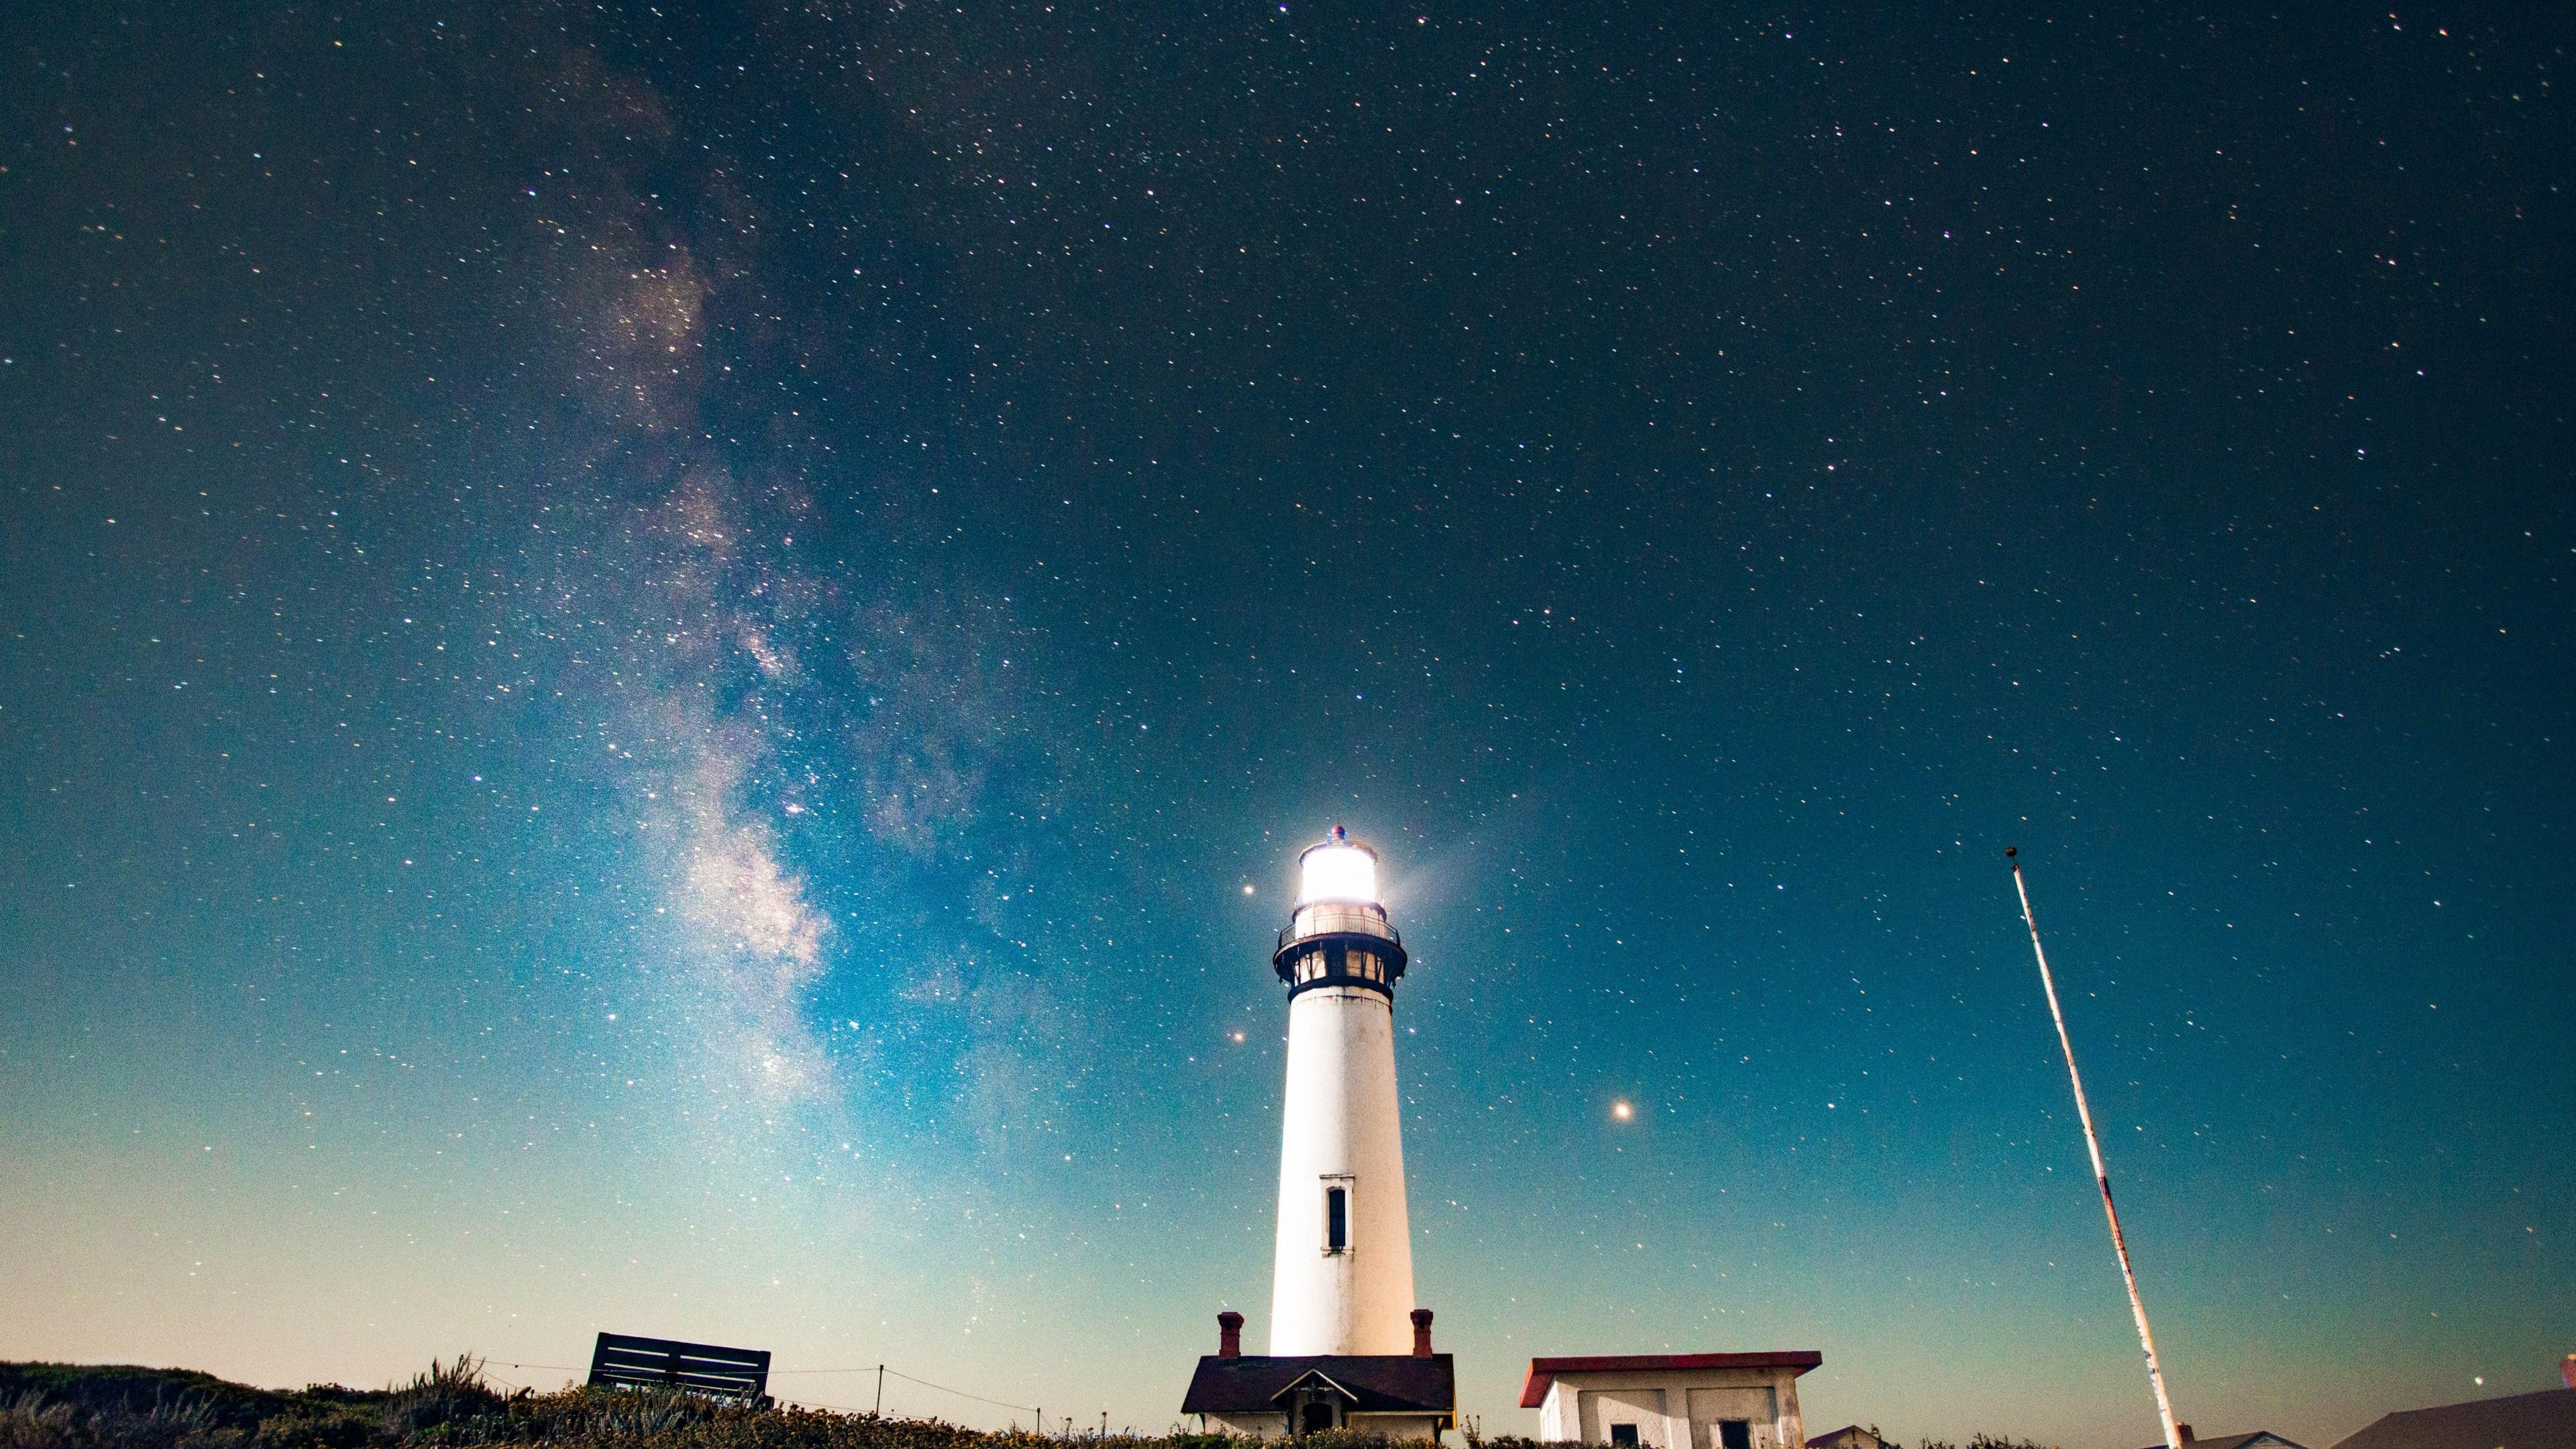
<point x="1623" y="1433"/>
<point x="1337" y="1220"/>
<point x="1735" y="1434"/>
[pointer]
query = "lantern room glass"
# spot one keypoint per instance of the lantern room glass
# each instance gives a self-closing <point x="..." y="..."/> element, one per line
<point x="1337" y="873"/>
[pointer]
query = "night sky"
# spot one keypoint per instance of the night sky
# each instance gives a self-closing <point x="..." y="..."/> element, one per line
<point x="660" y="670"/>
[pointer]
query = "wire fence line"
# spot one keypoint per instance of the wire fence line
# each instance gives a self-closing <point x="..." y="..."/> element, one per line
<point x="895" y="1373"/>
<point x="961" y="1393"/>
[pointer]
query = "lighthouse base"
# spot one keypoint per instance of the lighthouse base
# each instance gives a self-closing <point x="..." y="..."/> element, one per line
<point x="1399" y="1395"/>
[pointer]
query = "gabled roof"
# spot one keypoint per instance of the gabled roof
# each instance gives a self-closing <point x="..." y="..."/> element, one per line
<point x="2259" y="1439"/>
<point x="1310" y="1376"/>
<point x="2518" y="1421"/>
<point x="1374" y="1383"/>
<point x="1543" y="1371"/>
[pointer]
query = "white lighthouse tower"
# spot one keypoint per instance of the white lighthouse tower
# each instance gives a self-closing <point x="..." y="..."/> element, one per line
<point x="1348" y="1348"/>
<point x="1342" y="1277"/>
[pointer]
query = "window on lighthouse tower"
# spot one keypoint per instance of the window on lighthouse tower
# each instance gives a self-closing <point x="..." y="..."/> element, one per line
<point x="1337" y="1219"/>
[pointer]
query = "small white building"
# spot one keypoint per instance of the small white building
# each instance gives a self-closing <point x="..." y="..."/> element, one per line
<point x="1671" y="1400"/>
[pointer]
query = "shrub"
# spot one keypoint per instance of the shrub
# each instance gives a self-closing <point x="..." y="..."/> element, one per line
<point x="29" y="1421"/>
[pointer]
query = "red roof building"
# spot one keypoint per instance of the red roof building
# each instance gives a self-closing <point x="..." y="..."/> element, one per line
<point x="1671" y="1400"/>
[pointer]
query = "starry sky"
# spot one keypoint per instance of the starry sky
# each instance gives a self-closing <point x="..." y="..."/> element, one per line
<point x="660" y="670"/>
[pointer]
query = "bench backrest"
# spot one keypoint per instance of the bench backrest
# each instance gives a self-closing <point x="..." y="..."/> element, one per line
<point x="622" y="1361"/>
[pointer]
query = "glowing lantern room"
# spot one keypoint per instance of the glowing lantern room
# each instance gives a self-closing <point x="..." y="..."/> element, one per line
<point x="1336" y="870"/>
<point x="1338" y="934"/>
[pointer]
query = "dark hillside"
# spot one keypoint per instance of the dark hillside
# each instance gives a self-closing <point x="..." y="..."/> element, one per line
<point x="75" y="1406"/>
<point x="133" y="1390"/>
<point x="121" y="1406"/>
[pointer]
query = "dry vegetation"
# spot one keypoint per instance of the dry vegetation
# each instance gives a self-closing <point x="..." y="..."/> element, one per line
<point x="79" y="1406"/>
<point x="66" y="1406"/>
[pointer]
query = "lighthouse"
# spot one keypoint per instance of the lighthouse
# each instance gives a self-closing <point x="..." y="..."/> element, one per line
<point x="1348" y="1347"/>
<point x="1342" y="1274"/>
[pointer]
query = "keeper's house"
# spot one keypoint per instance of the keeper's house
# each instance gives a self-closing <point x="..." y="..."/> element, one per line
<point x="1671" y="1400"/>
<point x="1403" y="1396"/>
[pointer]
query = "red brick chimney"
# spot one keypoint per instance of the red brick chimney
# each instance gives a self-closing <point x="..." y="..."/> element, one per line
<point x="2567" y="1370"/>
<point x="2184" y="1430"/>
<point x="1422" y="1333"/>
<point x="1229" y="1334"/>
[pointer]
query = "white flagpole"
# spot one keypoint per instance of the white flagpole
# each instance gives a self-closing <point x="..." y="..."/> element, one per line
<point x="2101" y="1177"/>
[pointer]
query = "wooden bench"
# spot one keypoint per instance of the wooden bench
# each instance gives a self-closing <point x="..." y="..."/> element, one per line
<point x="624" y="1362"/>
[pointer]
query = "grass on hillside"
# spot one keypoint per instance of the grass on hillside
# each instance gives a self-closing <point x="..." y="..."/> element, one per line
<point x="79" y="1406"/>
<point x="82" y="1406"/>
